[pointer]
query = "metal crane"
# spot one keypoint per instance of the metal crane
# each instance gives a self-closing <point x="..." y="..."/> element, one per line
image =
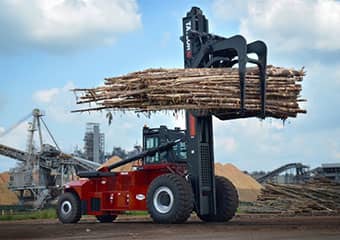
<point x="41" y="174"/>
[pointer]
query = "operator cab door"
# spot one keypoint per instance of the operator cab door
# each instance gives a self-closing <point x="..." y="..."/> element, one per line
<point x="150" y="142"/>
<point x="153" y="137"/>
<point x="153" y="141"/>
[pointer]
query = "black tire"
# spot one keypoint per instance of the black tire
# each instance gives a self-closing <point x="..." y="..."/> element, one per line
<point x="169" y="199"/>
<point x="226" y="201"/>
<point x="106" y="218"/>
<point x="68" y="208"/>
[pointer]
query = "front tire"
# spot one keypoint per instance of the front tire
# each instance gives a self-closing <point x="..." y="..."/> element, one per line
<point x="226" y="201"/>
<point x="69" y="209"/>
<point x="169" y="199"/>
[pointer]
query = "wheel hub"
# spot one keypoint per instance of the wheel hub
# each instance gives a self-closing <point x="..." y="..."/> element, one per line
<point x="66" y="207"/>
<point x="163" y="199"/>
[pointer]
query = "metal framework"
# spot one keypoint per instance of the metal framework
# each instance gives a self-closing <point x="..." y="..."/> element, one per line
<point x="41" y="174"/>
<point x="301" y="172"/>
<point x="205" y="50"/>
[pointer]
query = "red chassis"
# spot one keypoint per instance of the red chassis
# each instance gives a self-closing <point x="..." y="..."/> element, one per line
<point x="121" y="191"/>
<point x="161" y="186"/>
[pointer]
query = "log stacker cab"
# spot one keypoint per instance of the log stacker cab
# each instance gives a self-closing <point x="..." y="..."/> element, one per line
<point x="176" y="175"/>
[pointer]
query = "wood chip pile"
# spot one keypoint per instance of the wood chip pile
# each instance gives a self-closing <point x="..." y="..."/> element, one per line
<point x="210" y="89"/>
<point x="247" y="187"/>
<point x="313" y="198"/>
<point x="7" y="197"/>
<point x="114" y="159"/>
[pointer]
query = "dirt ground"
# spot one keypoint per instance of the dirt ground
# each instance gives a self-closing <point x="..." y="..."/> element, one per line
<point x="241" y="227"/>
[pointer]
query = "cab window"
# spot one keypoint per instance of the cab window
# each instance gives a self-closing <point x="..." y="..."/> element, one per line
<point x="180" y="150"/>
<point x="151" y="142"/>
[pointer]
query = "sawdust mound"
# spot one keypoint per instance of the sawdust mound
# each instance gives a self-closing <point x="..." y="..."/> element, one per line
<point x="114" y="159"/>
<point x="248" y="188"/>
<point x="4" y="177"/>
<point x="7" y="197"/>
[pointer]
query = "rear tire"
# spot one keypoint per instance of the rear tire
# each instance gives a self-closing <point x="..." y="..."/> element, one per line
<point x="106" y="218"/>
<point x="226" y="201"/>
<point x="69" y="209"/>
<point x="169" y="199"/>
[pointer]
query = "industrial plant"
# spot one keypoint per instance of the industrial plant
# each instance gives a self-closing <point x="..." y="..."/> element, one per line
<point x="94" y="143"/>
<point x="42" y="169"/>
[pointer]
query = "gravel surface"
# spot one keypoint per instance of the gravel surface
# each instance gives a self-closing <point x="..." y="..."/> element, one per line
<point x="241" y="227"/>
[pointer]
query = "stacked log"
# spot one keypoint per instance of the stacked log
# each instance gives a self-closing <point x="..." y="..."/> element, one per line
<point x="210" y="89"/>
<point x="311" y="198"/>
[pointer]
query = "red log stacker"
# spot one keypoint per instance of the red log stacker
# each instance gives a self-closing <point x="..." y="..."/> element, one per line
<point x="176" y="174"/>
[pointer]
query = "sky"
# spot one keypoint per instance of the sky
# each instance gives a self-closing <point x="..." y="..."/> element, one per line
<point x="48" y="47"/>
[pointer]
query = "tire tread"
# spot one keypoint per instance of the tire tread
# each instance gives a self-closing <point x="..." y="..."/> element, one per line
<point x="183" y="205"/>
<point x="226" y="201"/>
<point x="75" y="202"/>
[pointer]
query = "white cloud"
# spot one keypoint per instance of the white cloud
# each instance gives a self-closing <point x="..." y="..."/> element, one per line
<point x="288" y="24"/>
<point x="17" y="137"/>
<point x="166" y="36"/>
<point x="267" y="145"/>
<point x="65" y="24"/>
<point x="57" y="102"/>
<point x="230" y="10"/>
<point x="45" y="96"/>
<point x="3" y="99"/>
<point x="335" y="149"/>
<point x="337" y="75"/>
<point x="337" y="155"/>
<point x="277" y="124"/>
<point x="250" y="143"/>
<point x="227" y="144"/>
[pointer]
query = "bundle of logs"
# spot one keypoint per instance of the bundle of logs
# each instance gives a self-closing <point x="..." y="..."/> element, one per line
<point x="317" y="197"/>
<point x="210" y="89"/>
